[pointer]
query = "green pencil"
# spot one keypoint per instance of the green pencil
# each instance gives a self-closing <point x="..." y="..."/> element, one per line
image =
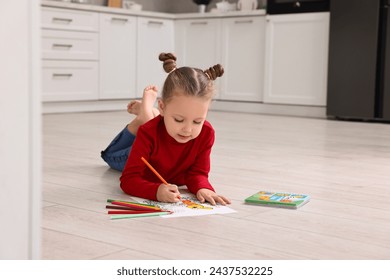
<point x="129" y="216"/>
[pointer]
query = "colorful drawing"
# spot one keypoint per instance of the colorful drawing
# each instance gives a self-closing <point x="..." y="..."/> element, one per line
<point x="188" y="206"/>
<point x="194" y="205"/>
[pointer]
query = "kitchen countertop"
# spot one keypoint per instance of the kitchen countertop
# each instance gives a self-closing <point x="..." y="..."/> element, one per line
<point x="96" y="8"/>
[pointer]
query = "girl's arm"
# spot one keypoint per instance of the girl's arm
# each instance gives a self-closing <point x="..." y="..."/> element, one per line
<point x="133" y="181"/>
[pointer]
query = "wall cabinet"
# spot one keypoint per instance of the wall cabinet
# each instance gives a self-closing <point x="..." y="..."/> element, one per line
<point x="296" y="59"/>
<point x="118" y="48"/>
<point x="154" y="36"/>
<point x="236" y="42"/>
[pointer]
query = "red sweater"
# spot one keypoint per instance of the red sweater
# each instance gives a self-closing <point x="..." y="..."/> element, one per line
<point x="180" y="164"/>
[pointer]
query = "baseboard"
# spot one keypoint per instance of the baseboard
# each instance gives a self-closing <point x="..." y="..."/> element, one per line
<point x="217" y="105"/>
<point x="270" y="109"/>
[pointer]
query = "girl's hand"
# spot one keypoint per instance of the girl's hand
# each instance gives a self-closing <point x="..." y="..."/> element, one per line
<point x="168" y="193"/>
<point x="211" y="197"/>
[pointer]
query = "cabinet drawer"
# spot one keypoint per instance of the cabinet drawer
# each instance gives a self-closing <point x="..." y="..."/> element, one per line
<point x="69" y="20"/>
<point x="58" y="44"/>
<point x="69" y="80"/>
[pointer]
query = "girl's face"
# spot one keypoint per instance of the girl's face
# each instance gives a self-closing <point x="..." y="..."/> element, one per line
<point x="184" y="116"/>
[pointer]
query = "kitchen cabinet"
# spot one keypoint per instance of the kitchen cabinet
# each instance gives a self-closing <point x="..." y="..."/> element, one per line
<point x="70" y="55"/>
<point x="154" y="36"/>
<point x="296" y="59"/>
<point x="69" y="80"/>
<point x="198" y="44"/>
<point x="237" y="43"/>
<point x="118" y="48"/>
<point x="243" y="41"/>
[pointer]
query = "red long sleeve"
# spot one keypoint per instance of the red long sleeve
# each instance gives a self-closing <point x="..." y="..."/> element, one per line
<point x="180" y="164"/>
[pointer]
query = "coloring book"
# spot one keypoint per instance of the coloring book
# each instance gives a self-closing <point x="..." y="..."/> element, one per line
<point x="278" y="199"/>
<point x="188" y="206"/>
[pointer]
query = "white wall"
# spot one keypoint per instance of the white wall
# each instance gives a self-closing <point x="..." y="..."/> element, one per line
<point x="20" y="130"/>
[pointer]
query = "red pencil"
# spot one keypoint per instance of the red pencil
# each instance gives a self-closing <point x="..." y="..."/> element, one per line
<point x="133" y="211"/>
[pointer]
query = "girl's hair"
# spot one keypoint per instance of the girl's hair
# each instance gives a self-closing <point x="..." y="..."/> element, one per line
<point x="188" y="80"/>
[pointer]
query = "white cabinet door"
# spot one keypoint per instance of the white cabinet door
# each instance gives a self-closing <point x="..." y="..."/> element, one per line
<point x="154" y="37"/>
<point x="198" y="44"/>
<point x="296" y="59"/>
<point x="117" y="56"/>
<point x="243" y="41"/>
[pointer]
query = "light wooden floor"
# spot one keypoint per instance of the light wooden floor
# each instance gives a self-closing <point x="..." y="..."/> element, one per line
<point x="344" y="166"/>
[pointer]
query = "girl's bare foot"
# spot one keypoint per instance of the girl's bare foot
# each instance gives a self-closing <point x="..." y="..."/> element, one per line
<point x="133" y="107"/>
<point x="145" y="112"/>
<point x="143" y="109"/>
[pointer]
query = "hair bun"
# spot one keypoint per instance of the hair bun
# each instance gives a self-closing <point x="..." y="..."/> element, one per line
<point x="169" y="61"/>
<point x="214" y="72"/>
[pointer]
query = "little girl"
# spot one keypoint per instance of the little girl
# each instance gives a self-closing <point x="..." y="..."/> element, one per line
<point x="176" y="139"/>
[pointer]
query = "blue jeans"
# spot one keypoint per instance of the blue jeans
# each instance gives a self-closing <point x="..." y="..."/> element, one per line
<point x="116" y="154"/>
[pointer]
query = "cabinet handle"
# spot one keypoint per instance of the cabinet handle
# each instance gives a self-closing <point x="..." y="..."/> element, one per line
<point x="63" y="20"/>
<point x="199" y="23"/>
<point x="62" y="46"/>
<point x="243" y="21"/>
<point x="155" y="22"/>
<point x="59" y="75"/>
<point x="119" y="19"/>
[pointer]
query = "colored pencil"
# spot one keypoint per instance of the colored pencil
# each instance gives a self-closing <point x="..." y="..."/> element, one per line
<point x="140" y="205"/>
<point x="129" y="216"/>
<point x="132" y="211"/>
<point x="154" y="171"/>
<point x="134" y="203"/>
<point x="135" y="207"/>
<point x="117" y="207"/>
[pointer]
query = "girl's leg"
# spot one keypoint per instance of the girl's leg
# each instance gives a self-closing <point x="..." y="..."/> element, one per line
<point x="117" y="152"/>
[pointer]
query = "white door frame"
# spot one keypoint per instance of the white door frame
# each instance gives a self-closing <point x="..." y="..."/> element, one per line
<point x="20" y="130"/>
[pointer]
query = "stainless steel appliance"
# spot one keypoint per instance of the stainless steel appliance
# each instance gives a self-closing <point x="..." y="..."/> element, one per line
<point x="296" y="6"/>
<point x="359" y="60"/>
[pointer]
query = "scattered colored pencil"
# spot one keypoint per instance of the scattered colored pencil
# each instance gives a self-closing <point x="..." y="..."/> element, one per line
<point x="116" y="207"/>
<point x="127" y="209"/>
<point x="111" y="212"/>
<point x="134" y="206"/>
<point x="134" y="203"/>
<point x="127" y="216"/>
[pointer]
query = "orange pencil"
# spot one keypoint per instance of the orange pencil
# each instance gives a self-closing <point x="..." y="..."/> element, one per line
<point x="154" y="171"/>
